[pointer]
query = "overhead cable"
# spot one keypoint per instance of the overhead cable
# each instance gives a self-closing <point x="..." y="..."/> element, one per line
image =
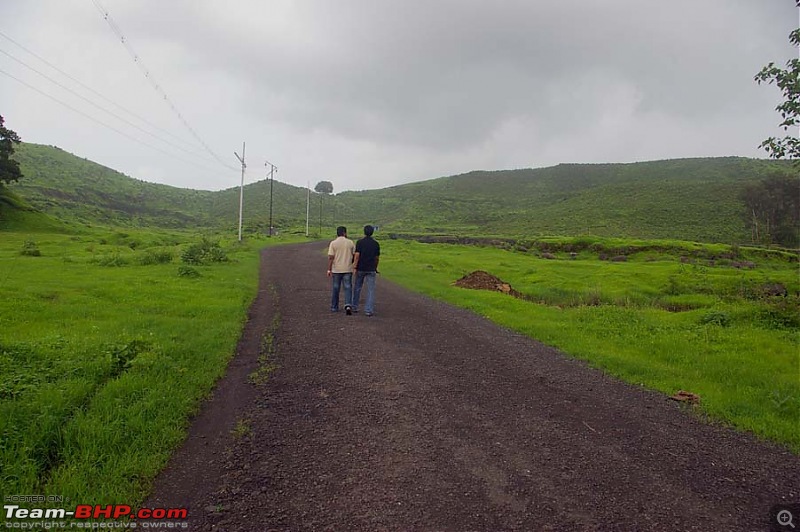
<point x="90" y="89"/>
<point x="93" y="119"/>
<point x="136" y="59"/>
<point x="98" y="106"/>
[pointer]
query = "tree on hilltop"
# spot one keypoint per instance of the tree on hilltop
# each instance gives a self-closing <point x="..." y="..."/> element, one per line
<point x="9" y="168"/>
<point x="324" y="187"/>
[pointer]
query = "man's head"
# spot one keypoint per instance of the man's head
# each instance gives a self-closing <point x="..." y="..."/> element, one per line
<point x="341" y="231"/>
<point x="368" y="230"/>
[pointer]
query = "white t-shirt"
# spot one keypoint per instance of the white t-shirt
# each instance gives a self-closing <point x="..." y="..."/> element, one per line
<point x="342" y="250"/>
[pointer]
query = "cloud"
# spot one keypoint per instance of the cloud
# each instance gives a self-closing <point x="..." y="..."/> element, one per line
<point x="373" y="93"/>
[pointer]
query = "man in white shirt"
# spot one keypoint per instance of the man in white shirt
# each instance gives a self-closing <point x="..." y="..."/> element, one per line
<point x="340" y="269"/>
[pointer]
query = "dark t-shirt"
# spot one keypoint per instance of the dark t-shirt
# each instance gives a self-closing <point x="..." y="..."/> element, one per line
<point x="369" y="251"/>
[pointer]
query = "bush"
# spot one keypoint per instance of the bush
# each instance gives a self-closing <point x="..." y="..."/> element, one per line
<point x="204" y="252"/>
<point x="30" y="249"/>
<point x="112" y="260"/>
<point x="155" y="257"/>
<point x="188" y="271"/>
<point x="716" y="317"/>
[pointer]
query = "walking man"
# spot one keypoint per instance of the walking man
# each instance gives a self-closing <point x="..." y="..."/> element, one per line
<point x="365" y="264"/>
<point x="340" y="269"/>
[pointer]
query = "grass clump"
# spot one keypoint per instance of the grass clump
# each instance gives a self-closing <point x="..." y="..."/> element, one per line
<point x="204" y="252"/>
<point x="30" y="249"/>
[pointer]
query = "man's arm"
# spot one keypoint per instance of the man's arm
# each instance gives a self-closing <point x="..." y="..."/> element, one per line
<point x="330" y="264"/>
<point x="355" y="260"/>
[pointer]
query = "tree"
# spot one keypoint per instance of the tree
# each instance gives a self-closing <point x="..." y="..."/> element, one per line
<point x="773" y="209"/>
<point x="324" y="187"/>
<point x="788" y="81"/>
<point x="9" y="168"/>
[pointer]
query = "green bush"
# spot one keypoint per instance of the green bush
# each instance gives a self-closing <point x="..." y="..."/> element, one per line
<point x="716" y="317"/>
<point x="204" y="252"/>
<point x="30" y="249"/>
<point x="155" y="257"/>
<point x="112" y="260"/>
<point x="188" y="271"/>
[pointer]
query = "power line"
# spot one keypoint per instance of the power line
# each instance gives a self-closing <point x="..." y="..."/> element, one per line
<point x="88" y="88"/>
<point x="136" y="59"/>
<point x="87" y="100"/>
<point x="93" y="119"/>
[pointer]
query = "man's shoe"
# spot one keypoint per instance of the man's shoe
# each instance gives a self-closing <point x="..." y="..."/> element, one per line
<point x="348" y="310"/>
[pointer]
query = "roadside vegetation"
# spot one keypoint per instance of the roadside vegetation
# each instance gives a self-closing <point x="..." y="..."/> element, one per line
<point x="108" y="342"/>
<point x="719" y="321"/>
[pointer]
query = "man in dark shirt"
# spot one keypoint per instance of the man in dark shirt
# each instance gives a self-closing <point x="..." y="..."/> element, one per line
<point x="365" y="264"/>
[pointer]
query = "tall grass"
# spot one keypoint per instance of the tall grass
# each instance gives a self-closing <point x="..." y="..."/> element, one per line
<point x="652" y="321"/>
<point x="105" y="351"/>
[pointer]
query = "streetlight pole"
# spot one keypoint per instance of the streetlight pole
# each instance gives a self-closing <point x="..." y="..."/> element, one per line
<point x="241" y="190"/>
<point x="272" y="169"/>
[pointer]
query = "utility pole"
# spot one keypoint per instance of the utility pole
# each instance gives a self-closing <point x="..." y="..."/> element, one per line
<point x="272" y="168"/>
<point x="308" y="204"/>
<point x="241" y="190"/>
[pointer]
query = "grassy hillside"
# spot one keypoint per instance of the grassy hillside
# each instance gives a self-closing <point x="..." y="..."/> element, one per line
<point x="71" y="188"/>
<point x="17" y="214"/>
<point x="690" y="199"/>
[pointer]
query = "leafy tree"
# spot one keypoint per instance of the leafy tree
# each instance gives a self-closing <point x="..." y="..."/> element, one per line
<point x="773" y="209"/>
<point x="788" y="81"/>
<point x="324" y="187"/>
<point x="9" y="168"/>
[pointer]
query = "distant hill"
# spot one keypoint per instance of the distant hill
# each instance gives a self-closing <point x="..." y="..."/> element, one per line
<point x="687" y="199"/>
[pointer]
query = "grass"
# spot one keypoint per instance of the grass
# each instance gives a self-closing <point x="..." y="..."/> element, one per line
<point x="105" y="352"/>
<point x="652" y="321"/>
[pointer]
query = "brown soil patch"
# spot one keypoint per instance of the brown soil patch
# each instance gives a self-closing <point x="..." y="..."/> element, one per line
<point x="481" y="280"/>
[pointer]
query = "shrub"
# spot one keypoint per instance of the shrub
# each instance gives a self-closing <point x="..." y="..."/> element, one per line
<point x="155" y="257"/>
<point x="204" y="252"/>
<point x="112" y="260"/>
<point x="716" y="317"/>
<point x="30" y="249"/>
<point x="188" y="271"/>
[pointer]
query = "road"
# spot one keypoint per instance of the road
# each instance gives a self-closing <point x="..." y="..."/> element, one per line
<point x="428" y="417"/>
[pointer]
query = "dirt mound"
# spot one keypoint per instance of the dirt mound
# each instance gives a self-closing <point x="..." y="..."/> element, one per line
<point x="480" y="280"/>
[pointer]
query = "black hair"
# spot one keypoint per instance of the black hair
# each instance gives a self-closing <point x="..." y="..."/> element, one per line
<point x="368" y="230"/>
<point x="341" y="230"/>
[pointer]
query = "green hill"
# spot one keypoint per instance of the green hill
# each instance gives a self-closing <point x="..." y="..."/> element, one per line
<point x="687" y="199"/>
<point x="71" y="188"/>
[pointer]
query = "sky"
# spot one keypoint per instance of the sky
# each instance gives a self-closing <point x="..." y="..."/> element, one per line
<point x="374" y="93"/>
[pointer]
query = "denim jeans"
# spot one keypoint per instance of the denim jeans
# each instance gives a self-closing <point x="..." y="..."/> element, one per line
<point x="369" y="277"/>
<point x="340" y="279"/>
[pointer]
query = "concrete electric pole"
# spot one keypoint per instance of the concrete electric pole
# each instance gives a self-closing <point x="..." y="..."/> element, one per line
<point x="241" y="190"/>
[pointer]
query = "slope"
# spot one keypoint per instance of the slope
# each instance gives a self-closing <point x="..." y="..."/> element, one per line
<point x="694" y="199"/>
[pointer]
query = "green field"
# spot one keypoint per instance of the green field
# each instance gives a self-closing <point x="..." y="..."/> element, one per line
<point x="654" y="320"/>
<point x="116" y="320"/>
<point x="108" y="341"/>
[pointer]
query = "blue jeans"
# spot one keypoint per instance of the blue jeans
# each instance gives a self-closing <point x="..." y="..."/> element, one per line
<point x="369" y="305"/>
<point x="338" y="280"/>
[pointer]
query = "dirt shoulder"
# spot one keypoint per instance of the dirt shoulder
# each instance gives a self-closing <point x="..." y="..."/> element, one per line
<point x="427" y="417"/>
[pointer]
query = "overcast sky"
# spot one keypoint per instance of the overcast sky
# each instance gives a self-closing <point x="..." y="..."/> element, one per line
<point x="374" y="93"/>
